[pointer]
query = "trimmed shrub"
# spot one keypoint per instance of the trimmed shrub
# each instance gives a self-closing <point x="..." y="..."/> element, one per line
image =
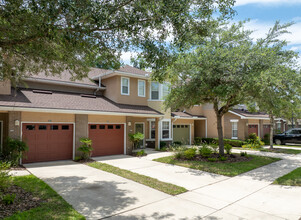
<point x="177" y="143"/>
<point x="253" y="142"/>
<point x="189" y="153"/>
<point x="14" y="150"/>
<point x="233" y="143"/>
<point x="266" y="139"/>
<point x="212" y="159"/>
<point x="141" y="153"/>
<point x="5" y="180"/>
<point x="228" y="148"/>
<point x="205" y="151"/>
<point x="163" y="144"/>
<point x="197" y="141"/>
<point x="9" y="199"/>
<point x="86" y="148"/>
<point x="214" y="147"/>
<point x="179" y="155"/>
<point x="222" y="158"/>
<point x="243" y="154"/>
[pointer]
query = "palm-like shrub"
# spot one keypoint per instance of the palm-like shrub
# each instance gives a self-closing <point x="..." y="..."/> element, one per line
<point x="135" y="139"/>
<point x="86" y="148"/>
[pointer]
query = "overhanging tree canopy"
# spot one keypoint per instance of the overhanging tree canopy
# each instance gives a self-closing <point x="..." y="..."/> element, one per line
<point x="55" y="35"/>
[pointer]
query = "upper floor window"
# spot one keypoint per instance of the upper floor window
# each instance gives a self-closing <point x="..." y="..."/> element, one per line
<point x="165" y="91"/>
<point x="154" y="91"/>
<point x="141" y="88"/>
<point x="125" y="86"/>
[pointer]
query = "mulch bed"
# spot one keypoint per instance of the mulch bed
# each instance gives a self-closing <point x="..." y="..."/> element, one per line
<point x="23" y="202"/>
<point x="85" y="161"/>
<point x="231" y="158"/>
<point x="19" y="167"/>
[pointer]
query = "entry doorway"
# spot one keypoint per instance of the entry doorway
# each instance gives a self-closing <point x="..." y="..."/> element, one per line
<point x="139" y="127"/>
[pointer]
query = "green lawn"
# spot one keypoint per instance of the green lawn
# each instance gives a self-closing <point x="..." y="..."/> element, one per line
<point x="291" y="179"/>
<point x="145" y="180"/>
<point x="227" y="169"/>
<point x="55" y="207"/>
<point x="281" y="150"/>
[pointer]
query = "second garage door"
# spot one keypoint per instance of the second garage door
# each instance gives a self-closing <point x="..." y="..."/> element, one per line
<point x="181" y="133"/>
<point x="107" y="139"/>
<point x="47" y="142"/>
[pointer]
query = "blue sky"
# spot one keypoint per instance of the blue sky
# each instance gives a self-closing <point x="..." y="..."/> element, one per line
<point x="263" y="15"/>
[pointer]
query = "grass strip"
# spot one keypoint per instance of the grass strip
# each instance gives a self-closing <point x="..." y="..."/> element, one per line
<point x="227" y="169"/>
<point x="55" y="206"/>
<point x="291" y="179"/>
<point x="168" y="188"/>
<point x="281" y="150"/>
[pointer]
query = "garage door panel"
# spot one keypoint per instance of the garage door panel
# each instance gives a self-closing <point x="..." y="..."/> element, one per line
<point x="107" y="139"/>
<point x="181" y="133"/>
<point x="47" y="142"/>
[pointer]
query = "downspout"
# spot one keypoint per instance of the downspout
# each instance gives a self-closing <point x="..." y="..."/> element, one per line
<point x="99" y="86"/>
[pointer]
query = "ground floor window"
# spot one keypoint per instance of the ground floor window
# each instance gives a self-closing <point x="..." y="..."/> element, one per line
<point x="165" y="129"/>
<point x="234" y="130"/>
<point x="152" y="129"/>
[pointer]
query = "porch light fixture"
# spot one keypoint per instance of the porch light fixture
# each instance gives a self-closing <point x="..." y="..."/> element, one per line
<point x="17" y="122"/>
<point x="129" y="124"/>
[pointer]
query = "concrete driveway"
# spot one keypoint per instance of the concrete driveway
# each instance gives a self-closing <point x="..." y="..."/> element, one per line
<point x="97" y="194"/>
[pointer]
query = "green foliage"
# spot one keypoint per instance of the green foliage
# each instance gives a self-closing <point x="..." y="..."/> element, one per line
<point x="14" y="150"/>
<point x="86" y="148"/>
<point x="222" y="158"/>
<point x="163" y="144"/>
<point x="266" y="139"/>
<point x="228" y="148"/>
<point x="243" y="154"/>
<point x="214" y="147"/>
<point x="197" y="141"/>
<point x="233" y="143"/>
<point x="78" y="34"/>
<point x="5" y="180"/>
<point x="212" y="159"/>
<point x="8" y="199"/>
<point x="205" y="151"/>
<point x="253" y="142"/>
<point x="140" y="153"/>
<point x="190" y="153"/>
<point x="179" y="143"/>
<point x="135" y="139"/>
<point x="77" y="158"/>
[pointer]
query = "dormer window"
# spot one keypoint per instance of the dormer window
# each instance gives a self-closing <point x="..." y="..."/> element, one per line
<point x="141" y="88"/>
<point x="125" y="86"/>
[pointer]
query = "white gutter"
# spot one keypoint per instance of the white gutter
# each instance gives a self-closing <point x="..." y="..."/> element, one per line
<point x="55" y="82"/>
<point x="177" y="117"/>
<point x="65" y="111"/>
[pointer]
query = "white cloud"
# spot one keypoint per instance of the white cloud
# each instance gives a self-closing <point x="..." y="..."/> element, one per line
<point x="261" y="29"/>
<point x="126" y="57"/>
<point x="267" y="2"/>
<point x="296" y="48"/>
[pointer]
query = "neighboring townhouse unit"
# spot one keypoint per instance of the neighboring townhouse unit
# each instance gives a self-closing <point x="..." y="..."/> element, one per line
<point x="51" y="113"/>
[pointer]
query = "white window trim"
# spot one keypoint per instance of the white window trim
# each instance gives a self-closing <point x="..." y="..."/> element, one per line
<point x="161" y="130"/>
<point x="139" y="80"/>
<point x="128" y="86"/>
<point x="234" y="121"/>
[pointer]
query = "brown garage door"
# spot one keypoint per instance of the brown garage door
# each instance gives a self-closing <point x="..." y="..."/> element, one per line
<point x="107" y="139"/>
<point x="47" y="142"/>
<point x="253" y="129"/>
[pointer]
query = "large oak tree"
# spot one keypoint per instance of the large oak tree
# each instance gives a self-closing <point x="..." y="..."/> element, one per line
<point x="54" y="35"/>
<point x="225" y="69"/>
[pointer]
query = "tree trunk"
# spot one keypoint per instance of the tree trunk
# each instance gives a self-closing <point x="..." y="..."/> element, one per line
<point x="271" y="130"/>
<point x="220" y="134"/>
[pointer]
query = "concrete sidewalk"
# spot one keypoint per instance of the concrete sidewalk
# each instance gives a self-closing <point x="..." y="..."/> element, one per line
<point x="246" y="196"/>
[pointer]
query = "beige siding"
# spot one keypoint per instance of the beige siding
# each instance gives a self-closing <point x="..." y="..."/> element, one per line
<point x="47" y="117"/>
<point x="113" y="91"/>
<point x="81" y="130"/>
<point x="241" y="126"/>
<point x="200" y="128"/>
<point x="5" y="87"/>
<point x="211" y="123"/>
<point x="196" y="110"/>
<point x="159" y="106"/>
<point x="106" y="119"/>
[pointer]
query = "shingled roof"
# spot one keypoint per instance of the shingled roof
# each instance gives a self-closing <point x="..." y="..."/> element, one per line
<point x="186" y="115"/>
<point x="26" y="98"/>
<point x="246" y="113"/>
<point x="65" y="76"/>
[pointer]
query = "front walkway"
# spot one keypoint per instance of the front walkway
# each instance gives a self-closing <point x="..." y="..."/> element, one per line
<point x="247" y="196"/>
